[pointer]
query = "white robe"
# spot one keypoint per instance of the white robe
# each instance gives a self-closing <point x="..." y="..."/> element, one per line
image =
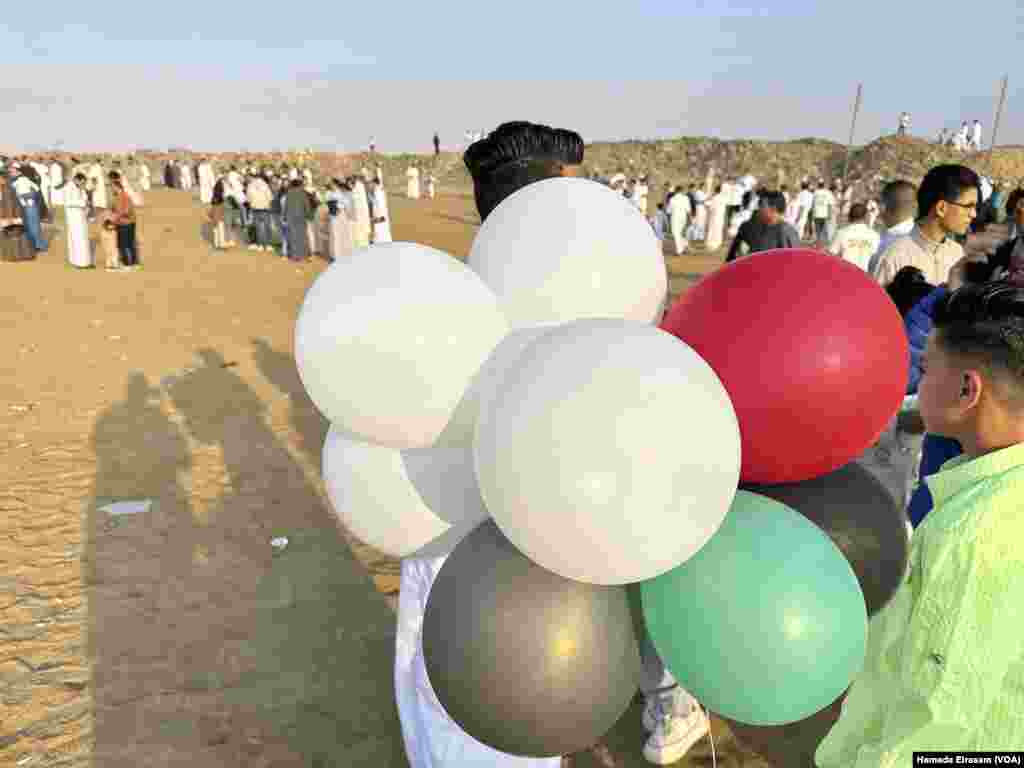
<point x="206" y="182"/>
<point x="431" y="737"/>
<point x="716" y="222"/>
<point x="186" y="176"/>
<point x="144" y="180"/>
<point x="99" y="191"/>
<point x="339" y="228"/>
<point x="44" y="181"/>
<point x="79" y="247"/>
<point x="56" y="180"/>
<point x="381" y="230"/>
<point x="361" y="211"/>
<point x="431" y="187"/>
<point x="413" y="185"/>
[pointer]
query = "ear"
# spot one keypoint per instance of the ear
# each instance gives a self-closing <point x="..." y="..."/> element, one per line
<point x="972" y="384"/>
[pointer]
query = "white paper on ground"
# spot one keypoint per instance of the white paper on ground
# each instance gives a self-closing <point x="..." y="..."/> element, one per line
<point x="118" y="508"/>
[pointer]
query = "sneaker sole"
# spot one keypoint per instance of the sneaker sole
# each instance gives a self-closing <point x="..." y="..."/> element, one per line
<point x="673" y="753"/>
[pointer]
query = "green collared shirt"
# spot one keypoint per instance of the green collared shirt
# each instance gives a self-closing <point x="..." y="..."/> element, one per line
<point x="945" y="658"/>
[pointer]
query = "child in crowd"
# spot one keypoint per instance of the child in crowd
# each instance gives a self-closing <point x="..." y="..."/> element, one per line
<point x="945" y="658"/>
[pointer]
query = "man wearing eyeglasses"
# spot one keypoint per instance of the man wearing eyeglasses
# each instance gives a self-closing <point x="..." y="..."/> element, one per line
<point x="947" y="203"/>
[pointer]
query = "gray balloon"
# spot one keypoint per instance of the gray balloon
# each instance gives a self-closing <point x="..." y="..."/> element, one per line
<point x="522" y="659"/>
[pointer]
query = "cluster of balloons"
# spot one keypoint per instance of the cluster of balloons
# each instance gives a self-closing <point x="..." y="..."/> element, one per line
<point x="523" y="414"/>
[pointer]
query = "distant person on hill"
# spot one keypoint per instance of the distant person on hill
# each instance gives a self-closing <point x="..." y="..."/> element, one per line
<point x="904" y="125"/>
<point x="437" y="144"/>
<point x="899" y="209"/>
<point x="976" y="136"/>
<point x="856" y="242"/>
<point x="766" y="231"/>
<point x="947" y="203"/>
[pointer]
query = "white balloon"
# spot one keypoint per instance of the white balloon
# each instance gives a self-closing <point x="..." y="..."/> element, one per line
<point x="388" y="340"/>
<point x="422" y="501"/>
<point x="611" y="452"/>
<point x="566" y="249"/>
<point x="463" y="423"/>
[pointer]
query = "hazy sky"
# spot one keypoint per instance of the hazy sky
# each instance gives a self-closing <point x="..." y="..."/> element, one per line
<point x="219" y="76"/>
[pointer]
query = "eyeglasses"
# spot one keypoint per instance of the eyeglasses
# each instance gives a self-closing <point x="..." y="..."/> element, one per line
<point x="968" y="206"/>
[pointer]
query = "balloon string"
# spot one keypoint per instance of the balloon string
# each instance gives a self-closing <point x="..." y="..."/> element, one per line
<point x="711" y="737"/>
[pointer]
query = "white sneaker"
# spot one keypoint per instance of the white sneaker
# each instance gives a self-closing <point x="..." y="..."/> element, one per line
<point x="664" y="704"/>
<point x="674" y="737"/>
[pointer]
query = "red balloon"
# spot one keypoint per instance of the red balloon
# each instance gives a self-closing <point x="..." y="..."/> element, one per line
<point x="811" y="350"/>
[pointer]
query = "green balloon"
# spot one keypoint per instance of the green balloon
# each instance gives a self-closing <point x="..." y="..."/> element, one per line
<point x="766" y="624"/>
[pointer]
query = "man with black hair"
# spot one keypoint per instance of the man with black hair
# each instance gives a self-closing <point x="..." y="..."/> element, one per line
<point x="767" y="230"/>
<point x="947" y="203"/>
<point x="856" y="242"/>
<point x="945" y="660"/>
<point x="516" y="154"/>
<point x="899" y="209"/>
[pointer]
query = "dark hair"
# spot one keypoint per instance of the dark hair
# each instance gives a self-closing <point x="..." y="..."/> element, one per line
<point x="295" y="183"/>
<point x="772" y="199"/>
<point x="899" y="193"/>
<point x="985" y="323"/>
<point x="858" y="211"/>
<point x="1012" y="200"/>
<point x="516" y="154"/>
<point x="907" y="288"/>
<point x="114" y="176"/>
<point x="944" y="182"/>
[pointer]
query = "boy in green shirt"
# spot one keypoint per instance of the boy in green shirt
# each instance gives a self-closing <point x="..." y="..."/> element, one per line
<point x="945" y="659"/>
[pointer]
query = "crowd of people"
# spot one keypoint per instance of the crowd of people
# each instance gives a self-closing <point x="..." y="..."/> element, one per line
<point x="89" y="193"/>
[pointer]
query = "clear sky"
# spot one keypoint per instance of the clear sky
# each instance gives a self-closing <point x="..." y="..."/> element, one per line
<point x="257" y="75"/>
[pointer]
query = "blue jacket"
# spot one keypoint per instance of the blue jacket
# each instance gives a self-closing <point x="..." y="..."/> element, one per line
<point x="935" y="450"/>
<point x="918" y="324"/>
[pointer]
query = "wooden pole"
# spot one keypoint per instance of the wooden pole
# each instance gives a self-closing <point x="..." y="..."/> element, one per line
<point x="853" y="127"/>
<point x="999" y="114"/>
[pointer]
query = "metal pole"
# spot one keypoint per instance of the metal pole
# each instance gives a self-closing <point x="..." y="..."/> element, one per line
<point x="999" y="114"/>
<point x="853" y="127"/>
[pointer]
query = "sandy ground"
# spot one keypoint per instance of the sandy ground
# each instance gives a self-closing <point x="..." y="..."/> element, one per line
<point x="179" y="636"/>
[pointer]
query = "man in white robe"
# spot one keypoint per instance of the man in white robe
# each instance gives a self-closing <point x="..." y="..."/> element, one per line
<point x="640" y="192"/>
<point x="339" y="223"/>
<point x="361" y="211"/>
<point x="98" y="186"/>
<point x="56" y="182"/>
<point x="678" y="216"/>
<point x="144" y="178"/>
<point x="206" y="181"/>
<point x="76" y="204"/>
<point x="186" y="176"/>
<point x="413" y="183"/>
<point x="43" y="169"/>
<point x="431" y="186"/>
<point x="716" y="220"/>
<point x="379" y="210"/>
<point x="976" y="136"/>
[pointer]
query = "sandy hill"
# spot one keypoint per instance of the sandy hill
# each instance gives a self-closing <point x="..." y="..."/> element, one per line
<point x="686" y="160"/>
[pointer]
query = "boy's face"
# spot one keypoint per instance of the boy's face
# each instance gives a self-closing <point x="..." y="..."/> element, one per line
<point x="948" y="392"/>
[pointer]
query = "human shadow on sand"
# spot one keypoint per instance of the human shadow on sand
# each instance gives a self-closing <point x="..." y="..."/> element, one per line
<point x="209" y="644"/>
<point x="310" y="425"/>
